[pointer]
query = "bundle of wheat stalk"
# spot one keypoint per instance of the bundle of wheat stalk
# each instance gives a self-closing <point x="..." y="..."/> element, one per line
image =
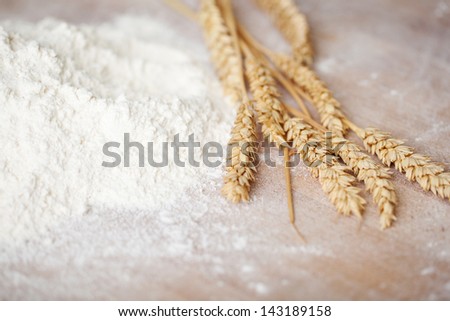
<point x="338" y="163"/>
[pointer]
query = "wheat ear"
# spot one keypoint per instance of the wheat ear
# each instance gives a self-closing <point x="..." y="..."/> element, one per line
<point x="336" y="182"/>
<point x="328" y="107"/>
<point x="224" y="54"/>
<point x="293" y="25"/>
<point x="430" y="175"/>
<point x="271" y="112"/>
<point x="375" y="177"/>
<point x="241" y="162"/>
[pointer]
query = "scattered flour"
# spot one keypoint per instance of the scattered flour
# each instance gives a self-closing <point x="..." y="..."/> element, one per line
<point x="326" y="65"/>
<point x="427" y="271"/>
<point x="247" y="269"/>
<point x="260" y="288"/>
<point x="442" y="9"/>
<point x="394" y="92"/>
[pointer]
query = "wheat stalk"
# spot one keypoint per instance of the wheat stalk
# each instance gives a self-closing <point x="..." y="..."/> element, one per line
<point x="430" y="175"/>
<point x="241" y="164"/>
<point x="334" y="178"/>
<point x="293" y="25"/>
<point x="375" y="177"/>
<point x="224" y="54"/>
<point x="328" y="107"/>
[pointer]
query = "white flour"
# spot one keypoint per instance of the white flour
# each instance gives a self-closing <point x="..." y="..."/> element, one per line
<point x="65" y="91"/>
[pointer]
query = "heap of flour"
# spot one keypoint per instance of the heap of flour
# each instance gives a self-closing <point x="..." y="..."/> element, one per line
<point x="66" y="90"/>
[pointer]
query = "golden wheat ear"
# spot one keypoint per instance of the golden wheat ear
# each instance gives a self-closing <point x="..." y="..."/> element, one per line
<point x="224" y="54"/>
<point x="430" y="175"/>
<point x="241" y="163"/>
<point x="293" y="24"/>
<point x="335" y="179"/>
<point x="375" y="177"/>
<point x="322" y="98"/>
<point x="270" y="110"/>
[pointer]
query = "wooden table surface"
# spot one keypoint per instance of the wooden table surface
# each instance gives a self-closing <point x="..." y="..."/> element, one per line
<point x="388" y="61"/>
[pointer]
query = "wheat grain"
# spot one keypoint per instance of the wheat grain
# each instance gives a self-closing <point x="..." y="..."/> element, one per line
<point x="293" y="25"/>
<point x="224" y="53"/>
<point x="375" y="177"/>
<point x="271" y="112"/>
<point x="334" y="178"/>
<point x="241" y="164"/>
<point x="328" y="107"/>
<point x="430" y="175"/>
